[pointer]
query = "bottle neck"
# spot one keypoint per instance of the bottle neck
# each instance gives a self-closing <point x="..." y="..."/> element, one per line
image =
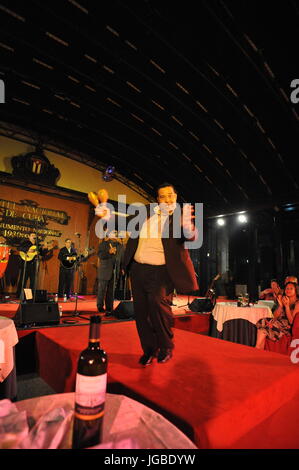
<point x="94" y="335"/>
<point x="94" y="343"/>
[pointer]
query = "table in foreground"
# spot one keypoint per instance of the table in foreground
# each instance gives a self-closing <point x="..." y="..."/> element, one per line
<point x="8" y="340"/>
<point x="127" y="423"/>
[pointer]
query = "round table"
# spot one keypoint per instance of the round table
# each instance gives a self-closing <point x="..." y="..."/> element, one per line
<point x="238" y="324"/>
<point x="128" y="424"/>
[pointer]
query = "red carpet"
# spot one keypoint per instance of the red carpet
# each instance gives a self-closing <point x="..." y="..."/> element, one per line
<point x="223" y="395"/>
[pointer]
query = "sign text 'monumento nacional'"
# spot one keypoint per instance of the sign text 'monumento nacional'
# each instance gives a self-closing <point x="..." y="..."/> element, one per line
<point x="18" y="219"/>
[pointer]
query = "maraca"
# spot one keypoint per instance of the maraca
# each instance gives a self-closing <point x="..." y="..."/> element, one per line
<point x="93" y="198"/>
<point x="103" y="196"/>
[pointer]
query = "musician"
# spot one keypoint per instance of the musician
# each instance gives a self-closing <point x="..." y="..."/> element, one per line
<point x="4" y="256"/>
<point x="67" y="257"/>
<point x="29" y="247"/>
<point x="109" y="252"/>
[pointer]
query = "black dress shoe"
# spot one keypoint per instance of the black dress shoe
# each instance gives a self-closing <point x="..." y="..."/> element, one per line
<point x="108" y="313"/>
<point x="164" y="355"/>
<point x="147" y="358"/>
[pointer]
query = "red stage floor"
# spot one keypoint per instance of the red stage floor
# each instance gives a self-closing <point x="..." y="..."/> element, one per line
<point x="221" y="394"/>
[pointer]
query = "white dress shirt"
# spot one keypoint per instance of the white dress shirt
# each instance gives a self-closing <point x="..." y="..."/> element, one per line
<point x="150" y="248"/>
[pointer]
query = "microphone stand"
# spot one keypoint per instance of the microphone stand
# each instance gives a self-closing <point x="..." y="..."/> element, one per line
<point x="36" y="262"/>
<point x="77" y="269"/>
<point x="23" y="279"/>
<point x="188" y="301"/>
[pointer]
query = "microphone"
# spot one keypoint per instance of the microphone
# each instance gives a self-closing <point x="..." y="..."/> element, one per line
<point x="77" y="234"/>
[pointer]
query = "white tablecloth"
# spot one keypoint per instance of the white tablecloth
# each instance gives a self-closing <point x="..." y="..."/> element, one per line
<point x="224" y="311"/>
<point x="127" y="423"/>
<point x="8" y="339"/>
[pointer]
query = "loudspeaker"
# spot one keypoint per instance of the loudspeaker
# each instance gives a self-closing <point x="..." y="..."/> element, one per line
<point x="201" y="305"/>
<point x="37" y="314"/>
<point x="125" y="309"/>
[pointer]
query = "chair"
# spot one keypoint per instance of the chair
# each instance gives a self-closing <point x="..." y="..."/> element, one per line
<point x="283" y="345"/>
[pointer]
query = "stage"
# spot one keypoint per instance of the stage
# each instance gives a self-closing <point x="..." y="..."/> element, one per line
<point x="222" y="395"/>
<point x="184" y="318"/>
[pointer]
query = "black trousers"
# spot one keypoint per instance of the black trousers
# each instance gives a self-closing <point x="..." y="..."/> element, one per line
<point x="152" y="291"/>
<point x="66" y="278"/>
<point x="105" y="295"/>
<point x="29" y="274"/>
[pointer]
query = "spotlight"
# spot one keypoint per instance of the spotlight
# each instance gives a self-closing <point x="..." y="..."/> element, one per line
<point x="109" y="172"/>
<point x="221" y="222"/>
<point x="242" y="219"/>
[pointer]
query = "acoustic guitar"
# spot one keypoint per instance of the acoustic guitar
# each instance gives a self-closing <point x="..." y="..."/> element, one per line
<point x="72" y="259"/>
<point x="33" y="251"/>
<point x="4" y="257"/>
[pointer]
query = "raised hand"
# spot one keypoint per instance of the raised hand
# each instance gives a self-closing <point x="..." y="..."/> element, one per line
<point x="279" y="300"/>
<point x="187" y="217"/>
<point x="112" y="249"/>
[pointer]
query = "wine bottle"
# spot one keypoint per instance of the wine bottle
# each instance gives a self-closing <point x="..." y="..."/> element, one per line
<point x="91" y="381"/>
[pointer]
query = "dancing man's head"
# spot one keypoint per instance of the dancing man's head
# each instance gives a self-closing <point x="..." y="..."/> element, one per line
<point x="166" y="197"/>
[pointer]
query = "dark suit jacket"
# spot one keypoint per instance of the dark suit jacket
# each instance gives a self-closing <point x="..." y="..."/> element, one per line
<point x="178" y="262"/>
<point x="63" y="254"/>
<point x="107" y="260"/>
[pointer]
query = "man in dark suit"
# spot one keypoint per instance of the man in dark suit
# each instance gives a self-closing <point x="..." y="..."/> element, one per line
<point x="30" y="249"/>
<point x="159" y="262"/>
<point x="108" y="255"/>
<point x="67" y="257"/>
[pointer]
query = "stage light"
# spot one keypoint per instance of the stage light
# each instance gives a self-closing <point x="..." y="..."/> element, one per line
<point x="110" y="170"/>
<point x="220" y="222"/>
<point x="109" y="173"/>
<point x="242" y="219"/>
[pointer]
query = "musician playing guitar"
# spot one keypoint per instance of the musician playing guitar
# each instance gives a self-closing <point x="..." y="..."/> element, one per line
<point x="68" y="256"/>
<point x="28" y="252"/>
<point x="109" y="251"/>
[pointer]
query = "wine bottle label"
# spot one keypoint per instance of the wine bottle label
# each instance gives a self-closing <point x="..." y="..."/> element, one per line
<point x="90" y="391"/>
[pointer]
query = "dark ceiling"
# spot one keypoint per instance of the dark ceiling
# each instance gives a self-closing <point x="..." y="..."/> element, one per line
<point x="195" y="93"/>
